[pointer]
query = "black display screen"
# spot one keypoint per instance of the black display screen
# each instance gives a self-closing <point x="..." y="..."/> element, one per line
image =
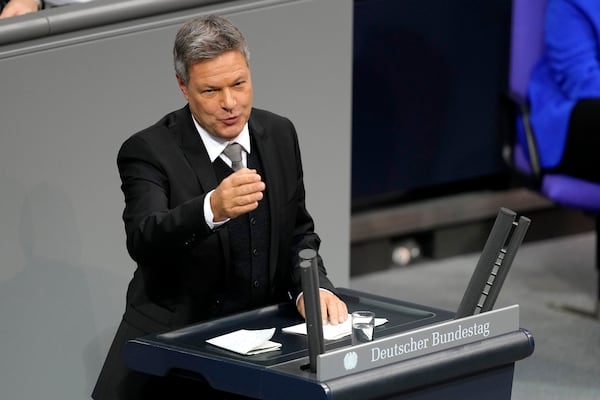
<point x="427" y="79"/>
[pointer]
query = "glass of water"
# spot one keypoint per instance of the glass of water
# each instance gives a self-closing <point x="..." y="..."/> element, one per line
<point x="363" y="325"/>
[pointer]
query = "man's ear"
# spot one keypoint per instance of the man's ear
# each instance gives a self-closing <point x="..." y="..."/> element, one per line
<point x="182" y="86"/>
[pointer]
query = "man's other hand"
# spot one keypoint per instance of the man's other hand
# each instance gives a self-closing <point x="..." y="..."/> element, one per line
<point x="333" y="310"/>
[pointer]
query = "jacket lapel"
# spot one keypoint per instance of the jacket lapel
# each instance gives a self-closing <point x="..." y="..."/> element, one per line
<point x="196" y="154"/>
<point x="194" y="150"/>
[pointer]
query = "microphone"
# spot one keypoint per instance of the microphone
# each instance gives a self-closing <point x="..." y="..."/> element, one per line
<point x="312" y="305"/>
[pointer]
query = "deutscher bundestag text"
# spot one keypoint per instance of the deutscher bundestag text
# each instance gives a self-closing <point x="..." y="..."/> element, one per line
<point x="436" y="339"/>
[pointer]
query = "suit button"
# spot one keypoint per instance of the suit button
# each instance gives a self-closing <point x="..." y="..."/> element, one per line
<point x="253" y="221"/>
<point x="254" y="252"/>
<point x="191" y="239"/>
<point x="256" y="284"/>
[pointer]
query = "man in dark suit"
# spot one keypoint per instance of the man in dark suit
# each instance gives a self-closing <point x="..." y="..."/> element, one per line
<point x="210" y="241"/>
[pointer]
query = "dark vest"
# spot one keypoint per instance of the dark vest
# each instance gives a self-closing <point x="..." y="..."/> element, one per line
<point x="247" y="285"/>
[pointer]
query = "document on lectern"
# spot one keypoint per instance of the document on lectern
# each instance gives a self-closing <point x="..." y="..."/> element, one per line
<point x="247" y="342"/>
<point x="331" y="332"/>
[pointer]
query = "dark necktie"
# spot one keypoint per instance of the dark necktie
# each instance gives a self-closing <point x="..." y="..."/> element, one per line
<point x="233" y="151"/>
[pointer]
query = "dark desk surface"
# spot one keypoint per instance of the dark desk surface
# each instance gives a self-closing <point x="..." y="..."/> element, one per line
<point x="402" y="316"/>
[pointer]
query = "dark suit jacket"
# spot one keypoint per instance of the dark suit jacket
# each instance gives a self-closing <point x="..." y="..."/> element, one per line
<point x="182" y="265"/>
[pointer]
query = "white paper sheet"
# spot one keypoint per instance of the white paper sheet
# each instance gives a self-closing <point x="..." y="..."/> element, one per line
<point x="331" y="332"/>
<point x="247" y="342"/>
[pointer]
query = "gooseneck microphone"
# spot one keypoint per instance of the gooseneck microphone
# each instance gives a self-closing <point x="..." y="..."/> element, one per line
<point x="312" y="305"/>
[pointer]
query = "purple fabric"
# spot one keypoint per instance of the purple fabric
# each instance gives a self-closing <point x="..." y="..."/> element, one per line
<point x="527" y="22"/>
<point x="568" y="71"/>
<point x="563" y="189"/>
<point x="572" y="192"/>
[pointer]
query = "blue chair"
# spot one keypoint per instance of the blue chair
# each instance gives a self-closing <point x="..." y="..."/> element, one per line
<point x="527" y="45"/>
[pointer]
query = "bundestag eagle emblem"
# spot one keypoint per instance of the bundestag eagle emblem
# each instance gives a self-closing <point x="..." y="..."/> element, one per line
<point x="350" y="360"/>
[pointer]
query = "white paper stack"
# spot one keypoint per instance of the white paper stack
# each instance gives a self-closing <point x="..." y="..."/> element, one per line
<point x="247" y="342"/>
<point x="331" y="332"/>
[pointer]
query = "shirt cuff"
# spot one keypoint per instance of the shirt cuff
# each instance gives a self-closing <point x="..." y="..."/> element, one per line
<point x="208" y="214"/>
<point x="298" y="297"/>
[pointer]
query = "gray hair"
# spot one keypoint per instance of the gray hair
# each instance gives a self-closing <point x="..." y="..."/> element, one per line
<point x="205" y="38"/>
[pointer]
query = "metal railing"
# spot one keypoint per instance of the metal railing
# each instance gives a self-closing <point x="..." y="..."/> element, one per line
<point x="74" y="17"/>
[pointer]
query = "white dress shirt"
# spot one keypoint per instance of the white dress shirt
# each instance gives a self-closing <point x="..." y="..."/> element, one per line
<point x="214" y="147"/>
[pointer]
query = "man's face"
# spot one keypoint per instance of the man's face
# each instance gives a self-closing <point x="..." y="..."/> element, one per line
<point x="219" y="93"/>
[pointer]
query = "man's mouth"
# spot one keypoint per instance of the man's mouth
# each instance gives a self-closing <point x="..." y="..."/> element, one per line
<point x="230" y="120"/>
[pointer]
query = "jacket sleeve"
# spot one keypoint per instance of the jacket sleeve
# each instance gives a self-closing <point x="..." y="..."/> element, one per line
<point x="152" y="223"/>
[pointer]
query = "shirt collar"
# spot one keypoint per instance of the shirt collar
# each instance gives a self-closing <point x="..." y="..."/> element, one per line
<point x="215" y="146"/>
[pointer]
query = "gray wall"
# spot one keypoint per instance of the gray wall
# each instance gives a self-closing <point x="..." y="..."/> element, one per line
<point x="68" y="102"/>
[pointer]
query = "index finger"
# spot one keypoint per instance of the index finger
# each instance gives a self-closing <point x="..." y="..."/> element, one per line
<point x="245" y="175"/>
<point x="333" y="309"/>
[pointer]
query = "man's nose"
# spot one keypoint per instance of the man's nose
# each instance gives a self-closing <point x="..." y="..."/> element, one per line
<point x="228" y="100"/>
